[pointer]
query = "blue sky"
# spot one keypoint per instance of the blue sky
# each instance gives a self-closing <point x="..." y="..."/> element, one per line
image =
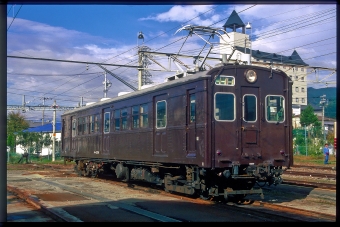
<point x="108" y="33"/>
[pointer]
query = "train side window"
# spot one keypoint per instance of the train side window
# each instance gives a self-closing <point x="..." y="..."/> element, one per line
<point x="192" y="116"/>
<point x="91" y="123"/>
<point x="96" y="123"/>
<point x="117" y="120"/>
<point x="74" y="128"/>
<point x="81" y="123"/>
<point x="124" y="118"/>
<point x="249" y="108"/>
<point x="106" y="122"/>
<point x="161" y="114"/>
<point x="225" y="80"/>
<point x="224" y="106"/>
<point x="144" y="122"/>
<point x="85" y="125"/>
<point x="135" y="117"/>
<point x="275" y="108"/>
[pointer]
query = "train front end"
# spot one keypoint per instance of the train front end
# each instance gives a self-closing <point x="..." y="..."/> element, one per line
<point x="251" y="126"/>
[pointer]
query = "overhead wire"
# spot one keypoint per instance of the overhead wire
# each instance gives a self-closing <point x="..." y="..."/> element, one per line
<point x="14" y="18"/>
<point x="162" y="34"/>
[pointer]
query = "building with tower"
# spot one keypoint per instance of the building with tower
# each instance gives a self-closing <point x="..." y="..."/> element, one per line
<point x="237" y="47"/>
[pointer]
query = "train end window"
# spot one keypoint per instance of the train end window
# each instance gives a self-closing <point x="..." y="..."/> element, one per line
<point x="224" y="106"/>
<point x="249" y="109"/>
<point x="225" y="80"/>
<point x="275" y="108"/>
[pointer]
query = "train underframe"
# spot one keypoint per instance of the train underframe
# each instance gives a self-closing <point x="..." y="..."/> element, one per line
<point x="231" y="184"/>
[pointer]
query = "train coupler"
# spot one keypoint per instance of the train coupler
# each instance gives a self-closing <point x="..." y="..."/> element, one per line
<point x="230" y="191"/>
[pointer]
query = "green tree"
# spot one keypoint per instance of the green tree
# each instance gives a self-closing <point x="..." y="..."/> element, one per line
<point x="15" y="123"/>
<point x="308" y="117"/>
<point x="32" y="142"/>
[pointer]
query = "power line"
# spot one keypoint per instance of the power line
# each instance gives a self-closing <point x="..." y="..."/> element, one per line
<point x="14" y="18"/>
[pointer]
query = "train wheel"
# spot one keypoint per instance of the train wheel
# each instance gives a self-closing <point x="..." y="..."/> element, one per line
<point x="205" y="195"/>
<point x="236" y="198"/>
<point x="77" y="171"/>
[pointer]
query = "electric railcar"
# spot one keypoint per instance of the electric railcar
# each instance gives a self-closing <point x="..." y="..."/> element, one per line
<point x="217" y="133"/>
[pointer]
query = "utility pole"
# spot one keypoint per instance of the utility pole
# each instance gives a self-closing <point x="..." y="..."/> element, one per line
<point x="323" y="102"/>
<point x="107" y="84"/>
<point x="54" y="106"/>
<point x="306" y="140"/>
<point x="44" y="98"/>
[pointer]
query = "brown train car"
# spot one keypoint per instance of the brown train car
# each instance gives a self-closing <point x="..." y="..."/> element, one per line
<point x="218" y="133"/>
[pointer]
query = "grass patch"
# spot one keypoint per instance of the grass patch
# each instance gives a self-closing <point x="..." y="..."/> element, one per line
<point x="313" y="160"/>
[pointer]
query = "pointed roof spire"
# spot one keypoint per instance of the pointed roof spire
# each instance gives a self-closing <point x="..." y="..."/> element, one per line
<point x="295" y="57"/>
<point x="234" y="22"/>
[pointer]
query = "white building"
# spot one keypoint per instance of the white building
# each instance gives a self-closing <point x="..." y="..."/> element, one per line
<point x="47" y="128"/>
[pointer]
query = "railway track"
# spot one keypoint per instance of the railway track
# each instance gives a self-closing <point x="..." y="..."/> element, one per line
<point x="254" y="206"/>
<point x="311" y="174"/>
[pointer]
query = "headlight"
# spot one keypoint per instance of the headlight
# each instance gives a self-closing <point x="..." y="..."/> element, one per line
<point x="251" y="76"/>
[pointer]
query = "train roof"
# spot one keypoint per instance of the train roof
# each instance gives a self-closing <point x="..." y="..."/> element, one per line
<point x="191" y="77"/>
<point x="173" y="83"/>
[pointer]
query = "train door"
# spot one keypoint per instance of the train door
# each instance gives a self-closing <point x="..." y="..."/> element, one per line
<point x="250" y="122"/>
<point x="106" y="131"/>
<point x="73" y="142"/>
<point x="191" y="124"/>
<point x="160" y="124"/>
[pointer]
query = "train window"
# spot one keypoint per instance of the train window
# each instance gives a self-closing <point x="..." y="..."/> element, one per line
<point x="74" y="129"/>
<point x="106" y="122"/>
<point x="81" y="125"/>
<point x="96" y="123"/>
<point x="249" y="108"/>
<point x="225" y="80"/>
<point x="117" y="120"/>
<point x="275" y="108"/>
<point x="144" y="116"/>
<point x="161" y="114"/>
<point x="124" y="118"/>
<point x="91" y="123"/>
<point x="224" y="106"/>
<point x="192" y="108"/>
<point x="85" y="125"/>
<point x="135" y="117"/>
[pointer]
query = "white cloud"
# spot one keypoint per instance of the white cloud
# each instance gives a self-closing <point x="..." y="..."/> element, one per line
<point x="182" y="14"/>
<point x="284" y="25"/>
